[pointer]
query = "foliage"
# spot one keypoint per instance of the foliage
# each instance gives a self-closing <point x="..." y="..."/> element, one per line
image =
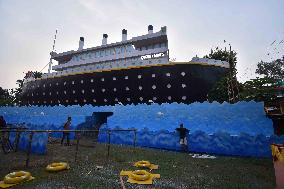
<point x="34" y="74"/>
<point x="258" y="89"/>
<point x="5" y="97"/>
<point x="17" y="91"/>
<point x="219" y="92"/>
<point x="20" y="82"/>
<point x="224" y="55"/>
<point x="273" y="70"/>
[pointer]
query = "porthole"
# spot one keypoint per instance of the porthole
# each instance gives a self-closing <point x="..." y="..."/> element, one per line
<point x="43" y="85"/>
<point x="42" y="94"/>
<point x="66" y="101"/>
<point x="102" y="79"/>
<point x="154" y="87"/>
<point x="73" y="91"/>
<point x="182" y="73"/>
<point x="93" y="90"/>
<point x="169" y="86"/>
<point x="65" y="83"/>
<point x="126" y="77"/>
<point x="154" y="98"/>
<point x="169" y="98"/>
<point x="153" y="75"/>
<point x="51" y="102"/>
<point x="105" y="100"/>
<point x="139" y="76"/>
<point x="49" y="93"/>
<point x="57" y="92"/>
<point x="50" y="84"/>
<point x="128" y="99"/>
<point x="32" y="94"/>
<point x="126" y="88"/>
<point x="36" y="94"/>
<point x="75" y="100"/>
<point x="64" y="92"/>
<point x="168" y="74"/>
<point x="116" y="99"/>
<point x="82" y="81"/>
<point x="114" y="89"/>
<point x="140" y="88"/>
<point x="94" y="100"/>
<point x="141" y="98"/>
<point x="73" y="82"/>
<point x="183" y="97"/>
<point x="28" y="95"/>
<point x="43" y="102"/>
<point x="58" y="101"/>
<point x="83" y="91"/>
<point x="85" y="100"/>
<point x="114" y="78"/>
<point x="37" y="86"/>
<point x="92" y="80"/>
<point x="103" y="90"/>
<point x="57" y="84"/>
<point x="183" y="85"/>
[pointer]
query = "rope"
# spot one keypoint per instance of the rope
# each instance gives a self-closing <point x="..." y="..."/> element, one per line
<point x="44" y="67"/>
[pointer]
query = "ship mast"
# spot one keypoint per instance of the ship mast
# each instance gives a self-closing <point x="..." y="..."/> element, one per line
<point x="53" y="47"/>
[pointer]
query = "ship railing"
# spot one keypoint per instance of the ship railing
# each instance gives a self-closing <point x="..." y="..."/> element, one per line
<point x="121" y="56"/>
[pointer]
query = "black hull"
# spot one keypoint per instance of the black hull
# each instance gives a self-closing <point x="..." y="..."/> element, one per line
<point x="182" y="83"/>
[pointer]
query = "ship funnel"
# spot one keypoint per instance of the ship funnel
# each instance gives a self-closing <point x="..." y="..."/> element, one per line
<point x="150" y="29"/>
<point x="104" y="41"/>
<point x="81" y="43"/>
<point x="124" y="35"/>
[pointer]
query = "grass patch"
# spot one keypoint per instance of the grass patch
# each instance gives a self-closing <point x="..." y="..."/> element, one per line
<point x="178" y="170"/>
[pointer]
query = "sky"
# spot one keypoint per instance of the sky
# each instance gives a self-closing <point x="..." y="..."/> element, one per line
<point x="27" y="29"/>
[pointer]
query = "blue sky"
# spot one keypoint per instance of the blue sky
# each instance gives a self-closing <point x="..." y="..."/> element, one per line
<point x="194" y="27"/>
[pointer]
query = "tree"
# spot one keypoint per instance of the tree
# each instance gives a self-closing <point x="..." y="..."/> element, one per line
<point x="258" y="89"/>
<point x="5" y="97"/>
<point x="219" y="92"/>
<point x="261" y="88"/>
<point x="17" y="91"/>
<point x="273" y="70"/>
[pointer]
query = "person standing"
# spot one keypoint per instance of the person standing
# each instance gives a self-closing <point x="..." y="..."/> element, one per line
<point x="182" y="134"/>
<point x="5" y="142"/>
<point x="66" y="133"/>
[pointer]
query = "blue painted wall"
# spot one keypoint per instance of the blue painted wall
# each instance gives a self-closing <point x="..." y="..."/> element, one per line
<point x="229" y="129"/>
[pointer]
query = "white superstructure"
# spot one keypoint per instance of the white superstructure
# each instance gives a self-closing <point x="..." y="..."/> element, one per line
<point x="149" y="49"/>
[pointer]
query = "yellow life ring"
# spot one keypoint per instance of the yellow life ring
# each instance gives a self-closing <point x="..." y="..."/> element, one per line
<point x="140" y="175"/>
<point x="143" y="164"/>
<point x="54" y="167"/>
<point x="17" y="177"/>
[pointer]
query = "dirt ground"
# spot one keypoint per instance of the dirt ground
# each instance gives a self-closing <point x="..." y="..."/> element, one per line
<point x="177" y="170"/>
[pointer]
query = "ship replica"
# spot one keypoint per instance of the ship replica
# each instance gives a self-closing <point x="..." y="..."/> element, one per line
<point x="132" y="71"/>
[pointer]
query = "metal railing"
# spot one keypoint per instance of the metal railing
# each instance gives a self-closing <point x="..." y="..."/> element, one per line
<point x="77" y="138"/>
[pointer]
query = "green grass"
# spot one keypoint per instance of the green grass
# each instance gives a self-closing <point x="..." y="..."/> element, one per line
<point x="178" y="170"/>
